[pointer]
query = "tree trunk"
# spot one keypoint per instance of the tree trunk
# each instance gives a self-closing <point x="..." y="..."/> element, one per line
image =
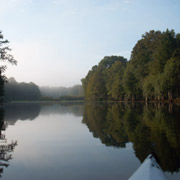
<point x="146" y="98"/>
<point x="132" y="97"/>
<point x="170" y="97"/>
<point x="170" y="107"/>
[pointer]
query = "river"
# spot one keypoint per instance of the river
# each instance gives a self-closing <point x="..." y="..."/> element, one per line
<point x="91" y="141"/>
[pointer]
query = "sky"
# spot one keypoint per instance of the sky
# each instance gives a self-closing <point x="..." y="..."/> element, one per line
<point x="56" y="42"/>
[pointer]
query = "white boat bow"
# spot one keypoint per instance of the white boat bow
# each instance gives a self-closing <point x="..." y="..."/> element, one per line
<point x="149" y="170"/>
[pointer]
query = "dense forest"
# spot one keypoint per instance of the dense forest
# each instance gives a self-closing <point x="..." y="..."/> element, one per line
<point x="151" y="74"/>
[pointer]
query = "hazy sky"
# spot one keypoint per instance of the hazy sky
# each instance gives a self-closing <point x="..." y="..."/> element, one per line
<point x="56" y="42"/>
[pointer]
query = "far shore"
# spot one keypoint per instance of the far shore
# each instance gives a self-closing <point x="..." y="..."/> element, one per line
<point x="177" y="102"/>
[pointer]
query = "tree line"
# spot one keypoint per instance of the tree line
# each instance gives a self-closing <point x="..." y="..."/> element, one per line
<point x="56" y="92"/>
<point x="15" y="91"/>
<point x="22" y="91"/>
<point x="151" y="74"/>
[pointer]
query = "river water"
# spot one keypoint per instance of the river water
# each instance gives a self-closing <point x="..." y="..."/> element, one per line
<point x="92" y="141"/>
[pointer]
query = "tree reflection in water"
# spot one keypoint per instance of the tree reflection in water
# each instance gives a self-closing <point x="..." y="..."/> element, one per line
<point x="151" y="128"/>
<point x="6" y="148"/>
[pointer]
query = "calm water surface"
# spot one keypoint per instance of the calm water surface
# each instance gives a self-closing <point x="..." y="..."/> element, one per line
<point x="87" y="142"/>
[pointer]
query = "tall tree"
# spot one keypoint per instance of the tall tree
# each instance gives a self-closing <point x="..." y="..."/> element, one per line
<point x="114" y="80"/>
<point x="103" y="81"/>
<point x="171" y="76"/>
<point x="5" y="56"/>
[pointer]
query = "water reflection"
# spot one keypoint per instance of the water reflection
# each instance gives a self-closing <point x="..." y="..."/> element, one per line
<point x="6" y="148"/>
<point x="30" y="111"/>
<point x="151" y="128"/>
<point x="76" y="109"/>
<point x="71" y="152"/>
<point x="21" y="111"/>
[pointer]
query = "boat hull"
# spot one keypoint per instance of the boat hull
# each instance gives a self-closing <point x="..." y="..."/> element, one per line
<point x="149" y="170"/>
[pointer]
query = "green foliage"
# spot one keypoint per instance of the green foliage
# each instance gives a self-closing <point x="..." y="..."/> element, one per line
<point x="104" y="82"/>
<point x="114" y="80"/>
<point x="130" y="83"/>
<point x="96" y="87"/>
<point x="171" y="76"/>
<point x="152" y="73"/>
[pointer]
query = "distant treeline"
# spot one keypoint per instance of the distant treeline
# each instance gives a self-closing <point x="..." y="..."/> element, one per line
<point x="151" y="74"/>
<point x="15" y="91"/>
<point x="57" y="92"/>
